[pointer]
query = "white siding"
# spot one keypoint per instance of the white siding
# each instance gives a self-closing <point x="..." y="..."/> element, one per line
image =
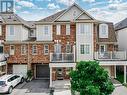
<point x="20" y="33"/>
<point x="41" y="36"/>
<point x="83" y="39"/>
<point x="24" y="33"/>
<point x="122" y="37"/>
<point x="84" y="16"/>
<point x="69" y="15"/>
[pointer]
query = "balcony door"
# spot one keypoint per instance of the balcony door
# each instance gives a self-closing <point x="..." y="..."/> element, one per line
<point x="103" y="48"/>
<point x="57" y="48"/>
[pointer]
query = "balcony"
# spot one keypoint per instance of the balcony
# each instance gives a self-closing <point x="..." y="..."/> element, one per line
<point x="62" y="57"/>
<point x="115" y="55"/>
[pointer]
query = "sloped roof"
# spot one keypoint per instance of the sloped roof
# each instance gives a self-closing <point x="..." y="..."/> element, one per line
<point x="52" y="17"/>
<point x="11" y="18"/>
<point x="122" y="24"/>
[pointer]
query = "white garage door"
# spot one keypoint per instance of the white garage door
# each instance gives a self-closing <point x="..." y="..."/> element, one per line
<point x="20" y="69"/>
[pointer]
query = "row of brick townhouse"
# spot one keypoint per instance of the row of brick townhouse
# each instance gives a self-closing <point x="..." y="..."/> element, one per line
<point x="51" y="46"/>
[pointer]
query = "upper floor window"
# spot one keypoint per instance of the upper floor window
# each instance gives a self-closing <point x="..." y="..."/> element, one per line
<point x="85" y="49"/>
<point x="23" y="49"/>
<point x="12" y="49"/>
<point x="103" y="31"/>
<point x="46" y="30"/>
<point x="82" y="49"/>
<point x="32" y="33"/>
<point x="34" y="49"/>
<point x="0" y="30"/>
<point x="85" y="28"/>
<point x="67" y="29"/>
<point x="11" y="29"/>
<point x="58" y="30"/>
<point x="46" y="49"/>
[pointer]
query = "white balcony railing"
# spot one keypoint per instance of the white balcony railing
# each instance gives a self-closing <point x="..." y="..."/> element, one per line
<point x="115" y="55"/>
<point x="62" y="57"/>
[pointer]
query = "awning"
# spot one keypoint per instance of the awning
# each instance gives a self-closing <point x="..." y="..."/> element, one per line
<point x="3" y="63"/>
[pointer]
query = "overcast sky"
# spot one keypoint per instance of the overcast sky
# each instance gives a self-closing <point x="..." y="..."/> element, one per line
<point x="107" y="10"/>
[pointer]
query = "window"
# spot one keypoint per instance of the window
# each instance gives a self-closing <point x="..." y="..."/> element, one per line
<point x="103" y="31"/>
<point x="82" y="49"/>
<point x="0" y="30"/>
<point x="85" y="29"/>
<point x="46" y="30"/>
<point x="32" y="33"/>
<point x="23" y="49"/>
<point x="82" y="30"/>
<point x="1" y="49"/>
<point x="11" y="28"/>
<point x="85" y="49"/>
<point x="34" y="49"/>
<point x="68" y="48"/>
<point x="12" y="49"/>
<point x="46" y="49"/>
<point x="68" y="29"/>
<point x="58" y="30"/>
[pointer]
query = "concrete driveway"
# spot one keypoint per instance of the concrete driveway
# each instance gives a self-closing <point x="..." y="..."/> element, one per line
<point x="35" y="87"/>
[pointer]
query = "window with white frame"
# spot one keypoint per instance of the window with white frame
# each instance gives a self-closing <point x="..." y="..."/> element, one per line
<point x="12" y="49"/>
<point x="23" y="49"/>
<point x="68" y="48"/>
<point x="11" y="29"/>
<point x="67" y="29"/>
<point x="81" y="49"/>
<point x="46" y="49"/>
<point x="0" y="30"/>
<point x="85" y="29"/>
<point x="46" y="30"/>
<point x="85" y="49"/>
<point x="58" y="30"/>
<point x="34" y="49"/>
<point x="82" y="30"/>
<point x="103" y="31"/>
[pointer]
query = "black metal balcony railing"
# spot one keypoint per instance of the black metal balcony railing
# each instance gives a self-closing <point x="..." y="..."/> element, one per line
<point x="61" y="57"/>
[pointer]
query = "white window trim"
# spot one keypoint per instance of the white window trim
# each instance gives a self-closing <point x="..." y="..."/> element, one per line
<point x="101" y="35"/>
<point x="46" y="49"/>
<point x="85" y="49"/>
<point x="68" y="30"/>
<point x="11" y="49"/>
<point x="10" y="31"/>
<point x="58" y="29"/>
<point x="22" y="49"/>
<point x="33" y="49"/>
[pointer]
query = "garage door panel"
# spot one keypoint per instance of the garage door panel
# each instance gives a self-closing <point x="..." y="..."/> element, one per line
<point x="42" y="71"/>
<point x="20" y="69"/>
